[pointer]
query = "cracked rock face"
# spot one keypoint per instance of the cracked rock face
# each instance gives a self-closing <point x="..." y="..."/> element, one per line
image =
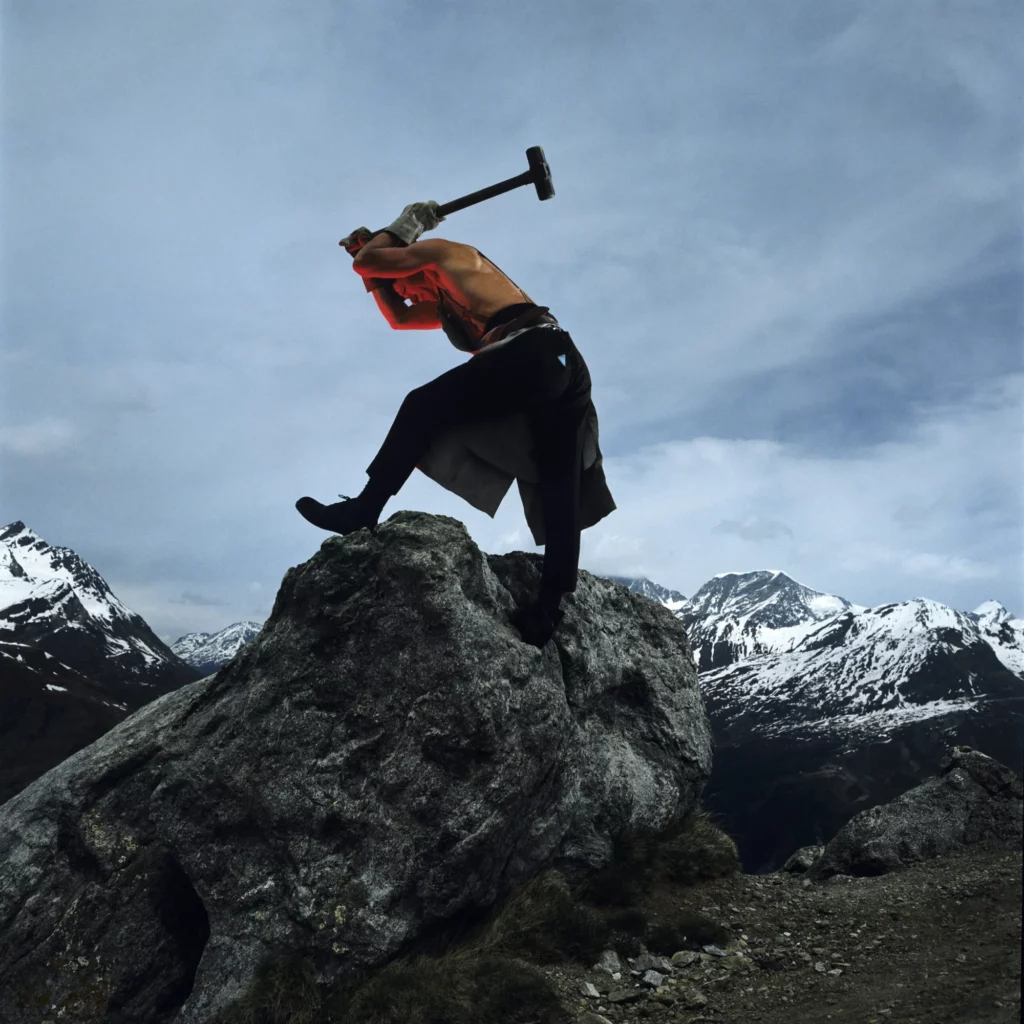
<point x="385" y="755"/>
<point x="973" y="798"/>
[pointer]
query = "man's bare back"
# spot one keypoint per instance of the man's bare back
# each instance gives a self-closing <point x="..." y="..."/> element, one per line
<point x="424" y="271"/>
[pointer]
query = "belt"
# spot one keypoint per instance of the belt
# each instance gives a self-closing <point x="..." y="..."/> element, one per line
<point x="538" y="317"/>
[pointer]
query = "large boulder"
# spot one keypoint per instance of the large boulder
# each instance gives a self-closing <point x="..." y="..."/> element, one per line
<point x="385" y="756"/>
<point x="973" y="798"/>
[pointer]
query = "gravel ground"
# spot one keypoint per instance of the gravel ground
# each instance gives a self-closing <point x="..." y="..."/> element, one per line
<point x="937" y="943"/>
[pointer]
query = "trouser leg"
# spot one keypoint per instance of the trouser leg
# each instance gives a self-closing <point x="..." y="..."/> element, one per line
<point x="559" y="466"/>
<point x="508" y="380"/>
<point x="526" y="377"/>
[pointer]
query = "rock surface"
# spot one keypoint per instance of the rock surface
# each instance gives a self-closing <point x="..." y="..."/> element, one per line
<point x="386" y="755"/>
<point x="803" y="858"/>
<point x="973" y="798"/>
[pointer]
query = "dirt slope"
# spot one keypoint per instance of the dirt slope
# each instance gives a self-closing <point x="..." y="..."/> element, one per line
<point x="939" y="943"/>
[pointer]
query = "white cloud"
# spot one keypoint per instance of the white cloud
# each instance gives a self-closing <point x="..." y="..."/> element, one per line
<point x="941" y="507"/>
<point x="511" y="540"/>
<point x="753" y="527"/>
<point x="858" y="556"/>
<point x="39" y="439"/>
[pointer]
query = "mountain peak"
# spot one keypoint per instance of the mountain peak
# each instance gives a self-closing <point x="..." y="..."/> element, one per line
<point x="737" y="615"/>
<point x="52" y="598"/>
<point x="16" y="530"/>
<point x="641" y="585"/>
<point x="993" y="611"/>
<point x="746" y="587"/>
<point x="208" y="652"/>
<point x="753" y="572"/>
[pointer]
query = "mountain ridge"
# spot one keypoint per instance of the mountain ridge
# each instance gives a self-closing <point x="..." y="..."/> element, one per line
<point x="52" y="598"/>
<point x="208" y="652"/>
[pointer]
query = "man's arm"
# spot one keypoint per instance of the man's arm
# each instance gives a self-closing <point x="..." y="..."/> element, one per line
<point x="420" y="316"/>
<point x="391" y="261"/>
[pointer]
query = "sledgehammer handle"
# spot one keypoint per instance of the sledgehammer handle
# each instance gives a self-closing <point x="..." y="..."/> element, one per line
<point x="526" y="178"/>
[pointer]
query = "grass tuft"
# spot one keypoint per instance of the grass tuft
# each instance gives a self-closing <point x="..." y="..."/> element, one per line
<point x="697" y="850"/>
<point x="693" y="850"/>
<point x="685" y="929"/>
<point x="542" y="921"/>
<point x="460" y="987"/>
<point x="631" y="922"/>
<point x="627" y="877"/>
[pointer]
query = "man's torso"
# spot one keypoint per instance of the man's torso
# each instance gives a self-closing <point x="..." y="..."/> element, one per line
<point x="472" y="287"/>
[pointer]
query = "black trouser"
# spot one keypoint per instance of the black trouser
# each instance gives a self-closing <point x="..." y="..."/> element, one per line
<point x="523" y="375"/>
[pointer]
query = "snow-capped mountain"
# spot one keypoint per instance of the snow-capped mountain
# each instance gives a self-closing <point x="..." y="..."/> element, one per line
<point x="207" y="652"/>
<point x="671" y="599"/>
<point x="991" y="613"/>
<point x="1004" y="633"/>
<point x="53" y="600"/>
<point x="735" y="616"/>
<point x="821" y="708"/>
<point x="863" y="673"/>
<point x="74" y="661"/>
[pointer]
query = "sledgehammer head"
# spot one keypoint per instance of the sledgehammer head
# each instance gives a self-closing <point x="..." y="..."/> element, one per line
<point x="541" y="172"/>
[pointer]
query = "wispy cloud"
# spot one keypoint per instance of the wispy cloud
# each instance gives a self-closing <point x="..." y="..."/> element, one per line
<point x="42" y="438"/>
<point x="198" y="600"/>
<point x="753" y="528"/>
<point x="937" y="514"/>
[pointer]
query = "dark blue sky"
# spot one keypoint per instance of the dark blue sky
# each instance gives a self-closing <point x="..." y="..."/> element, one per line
<point x="786" y="238"/>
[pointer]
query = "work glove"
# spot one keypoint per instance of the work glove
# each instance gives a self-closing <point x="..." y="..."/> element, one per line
<point x="537" y="622"/>
<point x="355" y="240"/>
<point x="414" y="220"/>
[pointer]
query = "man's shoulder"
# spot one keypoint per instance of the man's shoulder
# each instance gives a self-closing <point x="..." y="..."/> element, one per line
<point x="448" y="253"/>
<point x="448" y="246"/>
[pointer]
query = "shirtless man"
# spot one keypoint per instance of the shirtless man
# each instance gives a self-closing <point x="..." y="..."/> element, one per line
<point x="522" y="361"/>
<point x="419" y="273"/>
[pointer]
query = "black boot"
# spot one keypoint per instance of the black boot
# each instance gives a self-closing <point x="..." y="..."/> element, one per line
<point x="538" y="620"/>
<point x="342" y="517"/>
<point x="351" y="514"/>
<point x="535" y="623"/>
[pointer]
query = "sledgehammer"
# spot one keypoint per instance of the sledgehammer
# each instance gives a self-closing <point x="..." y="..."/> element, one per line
<point x="538" y="175"/>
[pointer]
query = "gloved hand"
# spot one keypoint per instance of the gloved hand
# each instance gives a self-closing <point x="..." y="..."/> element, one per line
<point x="414" y="220"/>
<point x="355" y="240"/>
<point x="537" y="622"/>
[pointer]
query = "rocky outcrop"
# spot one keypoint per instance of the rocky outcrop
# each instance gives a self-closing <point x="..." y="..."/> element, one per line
<point x="802" y="859"/>
<point x="972" y="799"/>
<point x="385" y="756"/>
